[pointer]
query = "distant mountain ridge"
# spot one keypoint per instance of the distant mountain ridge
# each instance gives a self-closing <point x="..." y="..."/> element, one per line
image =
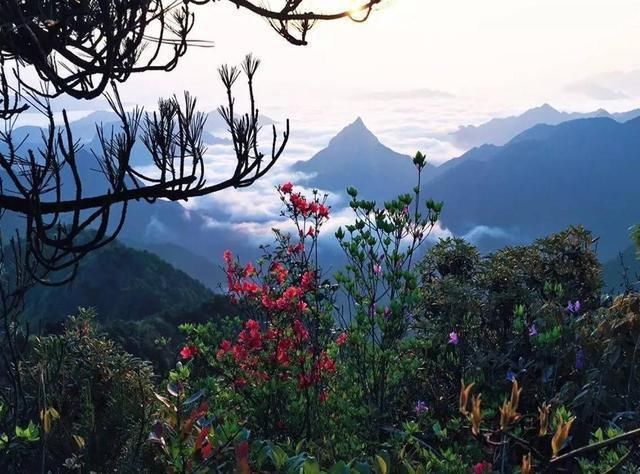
<point x="499" y="131"/>
<point x="578" y="172"/>
<point x="548" y="177"/>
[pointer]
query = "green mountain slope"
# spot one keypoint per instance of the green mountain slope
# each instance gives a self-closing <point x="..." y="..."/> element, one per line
<point x="121" y="283"/>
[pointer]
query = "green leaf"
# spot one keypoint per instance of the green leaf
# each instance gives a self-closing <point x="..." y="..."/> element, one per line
<point x="311" y="466"/>
<point x="30" y="433"/>
<point x="340" y="468"/>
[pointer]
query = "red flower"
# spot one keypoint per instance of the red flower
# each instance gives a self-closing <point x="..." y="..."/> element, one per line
<point x="249" y="270"/>
<point x="342" y="339"/>
<point x="300" y="204"/>
<point x="292" y="293"/>
<point x="286" y="188"/>
<point x="250" y="288"/>
<point x="323" y="211"/>
<point x="308" y="281"/>
<point x="302" y="307"/>
<point x="202" y="437"/>
<point x="251" y="338"/>
<point x="282" y="355"/>
<point x="324" y="396"/>
<point x="228" y="257"/>
<point x="240" y="382"/>
<point x="279" y="272"/>
<point x="189" y="352"/>
<point x="300" y="331"/>
<point x="326" y="364"/>
<point x="252" y="325"/>
<point x="239" y="353"/>
<point x="225" y="348"/>
<point x="311" y="232"/>
<point x="296" y="248"/>
<point x="482" y="468"/>
<point x="206" y="450"/>
<point x="304" y="381"/>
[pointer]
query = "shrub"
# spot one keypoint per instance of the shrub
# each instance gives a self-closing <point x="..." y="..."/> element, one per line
<point x="93" y="399"/>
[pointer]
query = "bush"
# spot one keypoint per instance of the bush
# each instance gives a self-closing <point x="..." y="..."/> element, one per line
<point x="94" y="401"/>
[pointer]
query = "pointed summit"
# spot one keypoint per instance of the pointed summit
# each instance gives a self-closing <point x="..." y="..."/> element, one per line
<point x="355" y="157"/>
<point x="356" y="133"/>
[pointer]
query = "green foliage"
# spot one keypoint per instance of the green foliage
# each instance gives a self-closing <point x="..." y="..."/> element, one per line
<point x="381" y="287"/>
<point x="94" y="400"/>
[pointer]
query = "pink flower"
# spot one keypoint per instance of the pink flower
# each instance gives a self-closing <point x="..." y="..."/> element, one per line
<point x="453" y="338"/>
<point x="377" y="269"/>
<point x="341" y="340"/>
<point x="286" y="188"/>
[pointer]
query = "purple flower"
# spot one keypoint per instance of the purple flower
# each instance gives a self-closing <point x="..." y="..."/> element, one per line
<point x="511" y="376"/>
<point x="579" y="359"/>
<point x="453" y="338"/>
<point x="387" y="311"/>
<point x="421" y="407"/>
<point x="533" y="330"/>
<point x="573" y="307"/>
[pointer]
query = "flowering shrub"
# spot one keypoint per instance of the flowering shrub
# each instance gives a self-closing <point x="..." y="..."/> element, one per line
<point x="281" y="362"/>
<point x="381" y="288"/>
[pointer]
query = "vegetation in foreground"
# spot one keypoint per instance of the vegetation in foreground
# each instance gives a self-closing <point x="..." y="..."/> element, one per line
<point x="448" y="363"/>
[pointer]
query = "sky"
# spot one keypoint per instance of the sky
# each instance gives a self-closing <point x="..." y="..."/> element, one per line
<point x="500" y="51"/>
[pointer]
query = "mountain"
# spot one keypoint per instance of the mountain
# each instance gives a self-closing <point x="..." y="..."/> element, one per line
<point x="121" y="283"/>
<point x="499" y="131"/>
<point x="355" y="157"/>
<point x="579" y="172"/>
<point x="204" y="269"/>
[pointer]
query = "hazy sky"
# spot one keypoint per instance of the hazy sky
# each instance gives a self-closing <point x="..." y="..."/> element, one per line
<point x="496" y="50"/>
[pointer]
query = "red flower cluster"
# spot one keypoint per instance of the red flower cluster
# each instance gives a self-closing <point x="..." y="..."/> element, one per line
<point x="188" y="352"/>
<point x="301" y="206"/>
<point x="282" y="349"/>
<point x="279" y="272"/>
<point x="260" y="355"/>
<point x="341" y="340"/>
<point x="324" y="364"/>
